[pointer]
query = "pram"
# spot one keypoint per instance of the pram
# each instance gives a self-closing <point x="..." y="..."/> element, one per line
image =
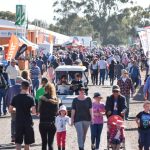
<point x="110" y="126"/>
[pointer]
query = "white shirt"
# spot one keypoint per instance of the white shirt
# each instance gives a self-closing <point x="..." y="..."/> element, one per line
<point x="94" y="66"/>
<point x="63" y="89"/>
<point x="13" y="72"/>
<point x="102" y="64"/>
<point x="61" y="123"/>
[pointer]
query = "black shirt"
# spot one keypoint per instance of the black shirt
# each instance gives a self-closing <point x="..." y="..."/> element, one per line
<point x="81" y="107"/>
<point x="144" y="120"/>
<point x="48" y="111"/>
<point x="23" y="104"/>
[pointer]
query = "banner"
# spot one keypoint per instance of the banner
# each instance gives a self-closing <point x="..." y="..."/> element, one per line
<point x="148" y="37"/>
<point x="144" y="41"/>
<point x="21" y="50"/>
<point x="20" y="15"/>
<point x="13" y="47"/>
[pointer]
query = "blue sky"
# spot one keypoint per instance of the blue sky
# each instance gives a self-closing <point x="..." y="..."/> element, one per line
<point x="42" y="9"/>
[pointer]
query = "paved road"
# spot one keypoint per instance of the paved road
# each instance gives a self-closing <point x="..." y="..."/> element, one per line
<point x="131" y="131"/>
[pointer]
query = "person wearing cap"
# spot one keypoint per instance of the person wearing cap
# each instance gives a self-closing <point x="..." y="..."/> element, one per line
<point x="102" y="64"/>
<point x="35" y="74"/>
<point x="126" y="88"/>
<point x="81" y="115"/>
<point x="11" y="92"/>
<point x="143" y="123"/>
<point x="61" y="122"/>
<point x="98" y="110"/>
<point x="116" y="135"/>
<point x="116" y="103"/>
<point x="13" y="71"/>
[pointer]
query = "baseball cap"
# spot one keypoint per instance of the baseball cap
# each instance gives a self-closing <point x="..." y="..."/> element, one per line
<point x="97" y="94"/>
<point x="116" y="88"/>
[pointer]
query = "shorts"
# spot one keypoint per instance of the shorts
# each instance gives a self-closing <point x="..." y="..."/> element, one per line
<point x="24" y="133"/>
<point x="115" y="141"/>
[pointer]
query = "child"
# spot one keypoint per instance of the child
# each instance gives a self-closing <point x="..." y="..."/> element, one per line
<point x="116" y="135"/>
<point x="98" y="109"/>
<point x="61" y="126"/>
<point x="143" y="122"/>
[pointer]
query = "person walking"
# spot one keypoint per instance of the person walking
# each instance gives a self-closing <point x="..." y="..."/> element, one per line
<point x="98" y="110"/>
<point x="118" y="69"/>
<point x="4" y="85"/>
<point x="35" y="74"/>
<point x="143" y="122"/>
<point x="13" y="71"/>
<point x="112" y="72"/>
<point x="125" y="84"/>
<point x="11" y="92"/>
<point x="48" y="108"/>
<point x="94" y="71"/>
<point x="116" y="103"/>
<point x="102" y="69"/>
<point x="23" y="104"/>
<point x="61" y="122"/>
<point x="81" y="116"/>
<point x="135" y="74"/>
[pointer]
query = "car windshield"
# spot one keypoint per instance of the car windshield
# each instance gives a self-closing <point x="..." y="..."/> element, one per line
<point x="69" y="76"/>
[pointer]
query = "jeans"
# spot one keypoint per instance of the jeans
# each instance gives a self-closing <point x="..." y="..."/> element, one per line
<point x="13" y="125"/>
<point x="144" y="139"/>
<point x="128" y="106"/>
<point x="13" y="82"/>
<point x="35" y="84"/>
<point x="47" y="131"/>
<point x="102" y="76"/>
<point x="135" y="82"/>
<point x="2" y="97"/>
<point x="82" y="128"/>
<point x="94" y="77"/>
<point x="96" y="130"/>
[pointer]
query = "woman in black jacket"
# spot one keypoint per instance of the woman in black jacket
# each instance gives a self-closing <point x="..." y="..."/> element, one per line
<point x="48" y="108"/>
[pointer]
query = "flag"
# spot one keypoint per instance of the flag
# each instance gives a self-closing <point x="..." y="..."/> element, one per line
<point x="13" y="47"/>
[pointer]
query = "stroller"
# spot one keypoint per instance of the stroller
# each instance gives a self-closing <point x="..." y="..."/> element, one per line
<point x="113" y="122"/>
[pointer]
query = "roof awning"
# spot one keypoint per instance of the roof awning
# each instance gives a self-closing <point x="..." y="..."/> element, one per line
<point x="27" y="42"/>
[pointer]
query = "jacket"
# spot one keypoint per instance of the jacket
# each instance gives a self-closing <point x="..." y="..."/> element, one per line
<point x="121" y="105"/>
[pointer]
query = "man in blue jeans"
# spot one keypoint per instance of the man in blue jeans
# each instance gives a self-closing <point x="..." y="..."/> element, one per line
<point x="35" y="73"/>
<point x="102" y="65"/>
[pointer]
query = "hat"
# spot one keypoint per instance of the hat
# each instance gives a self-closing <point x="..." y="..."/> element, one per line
<point x="97" y="94"/>
<point x="62" y="107"/>
<point x="13" y="60"/>
<point x="124" y="71"/>
<point x="116" y="88"/>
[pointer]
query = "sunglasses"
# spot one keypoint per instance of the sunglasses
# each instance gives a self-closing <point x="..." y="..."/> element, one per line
<point x="115" y="91"/>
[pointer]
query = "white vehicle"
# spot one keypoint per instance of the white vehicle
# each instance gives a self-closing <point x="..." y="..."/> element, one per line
<point x="69" y="72"/>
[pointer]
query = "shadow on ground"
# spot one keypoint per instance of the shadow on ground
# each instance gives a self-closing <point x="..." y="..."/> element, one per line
<point x="12" y="146"/>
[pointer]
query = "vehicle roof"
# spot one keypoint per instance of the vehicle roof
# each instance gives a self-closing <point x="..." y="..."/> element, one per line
<point x="70" y="68"/>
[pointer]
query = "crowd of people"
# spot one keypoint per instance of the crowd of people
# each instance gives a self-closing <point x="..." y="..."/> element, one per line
<point x="34" y="91"/>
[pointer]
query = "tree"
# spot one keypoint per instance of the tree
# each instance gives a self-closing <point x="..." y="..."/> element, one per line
<point x="7" y="15"/>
